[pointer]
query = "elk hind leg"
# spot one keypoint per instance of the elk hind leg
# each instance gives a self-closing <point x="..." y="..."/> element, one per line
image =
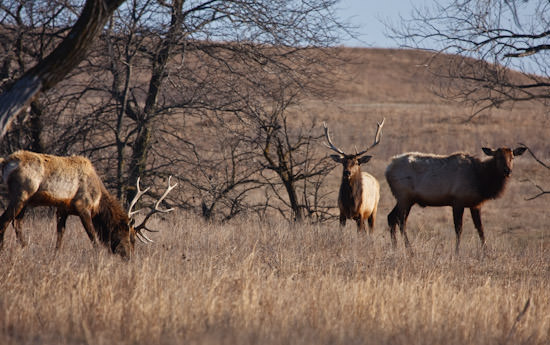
<point x="14" y="208"/>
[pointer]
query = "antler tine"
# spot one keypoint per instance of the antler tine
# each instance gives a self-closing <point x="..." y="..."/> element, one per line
<point x="143" y="238"/>
<point x="168" y="190"/>
<point x="329" y="141"/>
<point x="138" y="195"/>
<point x="377" y="137"/>
<point x="156" y="209"/>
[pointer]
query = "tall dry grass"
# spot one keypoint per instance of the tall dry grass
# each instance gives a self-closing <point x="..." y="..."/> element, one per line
<point x="273" y="283"/>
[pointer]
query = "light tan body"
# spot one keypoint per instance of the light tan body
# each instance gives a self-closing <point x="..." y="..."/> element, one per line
<point x="47" y="180"/>
<point x="368" y="203"/>
<point x="70" y="184"/>
<point x="359" y="191"/>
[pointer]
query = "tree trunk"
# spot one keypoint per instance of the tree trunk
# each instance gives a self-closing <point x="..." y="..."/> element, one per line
<point x="55" y="66"/>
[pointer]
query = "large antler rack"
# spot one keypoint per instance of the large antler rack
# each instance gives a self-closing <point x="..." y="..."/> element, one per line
<point x="377" y="137"/>
<point x="329" y="143"/>
<point x="140" y="235"/>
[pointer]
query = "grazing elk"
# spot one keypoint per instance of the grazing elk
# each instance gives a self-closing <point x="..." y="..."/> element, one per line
<point x="72" y="185"/>
<point x="458" y="180"/>
<point x="359" y="191"/>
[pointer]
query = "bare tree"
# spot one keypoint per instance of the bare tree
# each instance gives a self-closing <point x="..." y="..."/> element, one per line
<point x="488" y="38"/>
<point x="136" y="104"/>
<point x="58" y="63"/>
<point x="168" y="63"/>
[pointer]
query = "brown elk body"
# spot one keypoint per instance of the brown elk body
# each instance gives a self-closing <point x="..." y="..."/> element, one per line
<point x="72" y="185"/>
<point x="359" y="191"/>
<point x="458" y="180"/>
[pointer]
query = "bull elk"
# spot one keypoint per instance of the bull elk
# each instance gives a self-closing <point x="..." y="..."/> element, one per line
<point x="359" y="191"/>
<point x="458" y="180"/>
<point x="72" y="185"/>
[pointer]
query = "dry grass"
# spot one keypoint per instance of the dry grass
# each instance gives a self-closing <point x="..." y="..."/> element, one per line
<point x="277" y="283"/>
<point x="250" y="283"/>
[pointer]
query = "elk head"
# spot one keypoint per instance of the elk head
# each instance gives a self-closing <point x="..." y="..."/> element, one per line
<point x="504" y="158"/>
<point x="138" y="229"/>
<point x="351" y="162"/>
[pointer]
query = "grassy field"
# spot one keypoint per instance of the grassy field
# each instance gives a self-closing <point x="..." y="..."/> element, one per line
<point x="247" y="282"/>
<point x="251" y="283"/>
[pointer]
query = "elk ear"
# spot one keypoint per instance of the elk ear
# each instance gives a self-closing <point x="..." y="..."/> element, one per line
<point x="364" y="159"/>
<point x="336" y="158"/>
<point x="488" y="151"/>
<point x="519" y="151"/>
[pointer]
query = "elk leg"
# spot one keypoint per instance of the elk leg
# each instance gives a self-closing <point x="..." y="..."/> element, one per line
<point x="403" y="214"/>
<point x="476" y="217"/>
<point x="371" y="220"/>
<point x="18" y="224"/>
<point x="393" y="219"/>
<point x="14" y="208"/>
<point x="458" y="212"/>
<point x="361" y="225"/>
<point x="61" y="221"/>
<point x="342" y="220"/>
<point x="86" y="220"/>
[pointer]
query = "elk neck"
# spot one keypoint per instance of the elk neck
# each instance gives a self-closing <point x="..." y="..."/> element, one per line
<point x="491" y="181"/>
<point x="110" y="217"/>
<point x="351" y="190"/>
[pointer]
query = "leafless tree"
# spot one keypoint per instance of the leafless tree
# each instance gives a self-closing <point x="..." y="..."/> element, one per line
<point x="169" y="63"/>
<point x="489" y="40"/>
<point x="54" y="67"/>
<point x="135" y="105"/>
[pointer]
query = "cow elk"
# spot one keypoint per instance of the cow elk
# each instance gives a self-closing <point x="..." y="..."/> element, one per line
<point x="458" y="180"/>
<point x="359" y="191"/>
<point x="72" y="185"/>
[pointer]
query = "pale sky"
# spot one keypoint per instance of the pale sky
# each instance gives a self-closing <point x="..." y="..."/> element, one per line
<point x="368" y="14"/>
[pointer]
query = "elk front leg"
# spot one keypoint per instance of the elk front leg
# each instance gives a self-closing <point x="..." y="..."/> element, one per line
<point x="361" y="228"/>
<point x="86" y="220"/>
<point x="61" y="221"/>
<point x="393" y="220"/>
<point x="476" y="217"/>
<point x="18" y="225"/>
<point x="458" y="212"/>
<point x="342" y="220"/>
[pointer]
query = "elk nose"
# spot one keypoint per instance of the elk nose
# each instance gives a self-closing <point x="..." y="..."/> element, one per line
<point x="507" y="171"/>
<point x="347" y="173"/>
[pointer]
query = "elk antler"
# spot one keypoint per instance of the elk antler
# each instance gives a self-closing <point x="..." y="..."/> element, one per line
<point x="140" y="235"/>
<point x="138" y="195"/>
<point x="330" y="145"/>
<point x="376" y="140"/>
<point x="377" y="137"/>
